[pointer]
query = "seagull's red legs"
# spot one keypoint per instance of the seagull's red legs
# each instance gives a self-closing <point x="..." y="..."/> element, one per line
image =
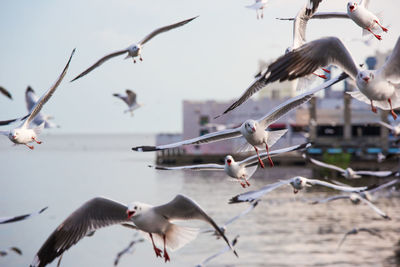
<point x="269" y="158"/>
<point x="31" y="147"/>
<point x="376" y="35"/>
<point x="391" y="110"/>
<point x="259" y="160"/>
<point x="321" y="76"/>
<point x="326" y="70"/>
<point x="166" y="256"/>
<point x="383" y="28"/>
<point x="156" y="249"/>
<point x="34" y="139"/>
<point x="373" y="108"/>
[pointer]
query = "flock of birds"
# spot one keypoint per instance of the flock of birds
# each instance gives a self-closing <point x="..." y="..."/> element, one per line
<point x="379" y="88"/>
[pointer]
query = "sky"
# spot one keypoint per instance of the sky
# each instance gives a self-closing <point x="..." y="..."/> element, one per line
<point x="213" y="57"/>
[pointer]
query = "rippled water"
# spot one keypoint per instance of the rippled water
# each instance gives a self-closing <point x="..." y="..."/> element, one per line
<point x="283" y="230"/>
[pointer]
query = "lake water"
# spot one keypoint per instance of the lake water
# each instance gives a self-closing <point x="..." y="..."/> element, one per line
<point x="283" y="230"/>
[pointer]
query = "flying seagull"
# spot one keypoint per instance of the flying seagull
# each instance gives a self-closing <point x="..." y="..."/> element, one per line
<point x="242" y="170"/>
<point x="252" y="130"/>
<point x="5" y="92"/>
<point x="5" y="220"/>
<point x="380" y="86"/>
<point x="349" y="173"/>
<point x="31" y="100"/>
<point x="259" y="5"/>
<point x="5" y="252"/>
<point x="298" y="183"/>
<point x="395" y="129"/>
<point x="222" y="251"/>
<point x="154" y="220"/>
<point x="130" y="100"/>
<point x="355" y="231"/>
<point x="134" y="50"/>
<point x="24" y="134"/>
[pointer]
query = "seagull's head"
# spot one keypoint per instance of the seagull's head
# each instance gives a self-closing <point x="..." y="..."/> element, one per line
<point x="13" y="134"/>
<point x="355" y="198"/>
<point x="365" y="76"/>
<point x="250" y="126"/>
<point x="229" y="160"/>
<point x="298" y="183"/>
<point x="351" y="6"/>
<point x="134" y="209"/>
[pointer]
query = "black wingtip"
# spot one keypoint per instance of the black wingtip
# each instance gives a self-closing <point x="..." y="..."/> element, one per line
<point x="45" y="208"/>
<point x="235" y="200"/>
<point x="145" y="148"/>
<point x="29" y="89"/>
<point x="234" y="252"/>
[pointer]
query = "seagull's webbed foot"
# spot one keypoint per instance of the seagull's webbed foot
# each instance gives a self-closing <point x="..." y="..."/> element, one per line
<point x="243" y="184"/>
<point x="140" y="58"/>
<point x="134" y="60"/>
<point x="394" y="115"/>
<point x="295" y="191"/>
<point x="377" y="36"/>
<point x="30" y="147"/>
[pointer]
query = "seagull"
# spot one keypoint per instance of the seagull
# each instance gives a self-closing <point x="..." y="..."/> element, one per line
<point x="5" y="220"/>
<point x="240" y="215"/>
<point x="7" y="122"/>
<point x="297" y="182"/>
<point x="5" y="92"/>
<point x="355" y="231"/>
<point x="252" y="130"/>
<point x="134" y="50"/>
<point x="259" y="5"/>
<point x="128" y="249"/>
<point x="31" y="100"/>
<point x="395" y="129"/>
<point x="349" y="173"/>
<point x="130" y="100"/>
<point x="11" y="249"/>
<point x="154" y="220"/>
<point x="24" y="134"/>
<point x="380" y="86"/>
<point x="242" y="171"/>
<point x="362" y="196"/>
<point x="223" y="251"/>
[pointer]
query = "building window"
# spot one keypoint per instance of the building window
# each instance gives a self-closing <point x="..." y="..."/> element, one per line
<point x="325" y="130"/>
<point x="204" y="120"/>
<point x="203" y="132"/>
<point x="361" y="130"/>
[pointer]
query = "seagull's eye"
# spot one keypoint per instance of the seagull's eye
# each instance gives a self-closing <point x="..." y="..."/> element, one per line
<point x="135" y="207"/>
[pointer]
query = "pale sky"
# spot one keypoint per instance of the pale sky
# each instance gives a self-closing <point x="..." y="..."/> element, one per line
<point x="212" y="57"/>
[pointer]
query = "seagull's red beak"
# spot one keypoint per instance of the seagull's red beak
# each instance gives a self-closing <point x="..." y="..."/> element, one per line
<point x="130" y="213"/>
<point x="229" y="162"/>
<point x="253" y="129"/>
<point x="366" y="79"/>
<point x="351" y="8"/>
<point x="14" y="136"/>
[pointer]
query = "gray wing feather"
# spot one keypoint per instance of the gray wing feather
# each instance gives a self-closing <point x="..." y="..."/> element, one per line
<point x="164" y="29"/>
<point x="184" y="208"/>
<point x="393" y="182"/>
<point x="374" y="208"/>
<point x="330" y="15"/>
<point x="94" y="214"/>
<point x="333" y="198"/>
<point x="44" y="98"/>
<point x="255" y="195"/>
<point x="131" y="97"/>
<point x="391" y="68"/>
<point x="30" y="98"/>
<point x="199" y="167"/>
<point x="99" y="62"/>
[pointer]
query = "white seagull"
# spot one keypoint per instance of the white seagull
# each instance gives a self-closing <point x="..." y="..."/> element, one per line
<point x="156" y="221"/>
<point x="130" y="100"/>
<point x="355" y="231"/>
<point x="24" y="134"/>
<point x="4" y="220"/>
<point x="134" y="50"/>
<point x="259" y="5"/>
<point x="395" y="129"/>
<point x="222" y="251"/>
<point x="364" y="197"/>
<point x="31" y="99"/>
<point x="252" y="130"/>
<point x="381" y="85"/>
<point x="298" y="183"/>
<point x="242" y="170"/>
<point x="349" y="173"/>
<point x="5" y="92"/>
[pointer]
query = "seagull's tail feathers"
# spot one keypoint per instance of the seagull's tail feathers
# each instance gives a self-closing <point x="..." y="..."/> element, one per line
<point x="177" y="236"/>
<point x="39" y="128"/>
<point x="274" y="136"/>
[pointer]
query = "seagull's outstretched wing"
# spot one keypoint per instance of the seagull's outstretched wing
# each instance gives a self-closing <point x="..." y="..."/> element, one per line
<point x="330" y="15"/>
<point x="337" y="187"/>
<point x="384" y="124"/>
<point x="99" y="62"/>
<point x="382" y="186"/>
<point x="46" y="96"/>
<point x="164" y="29"/>
<point x="131" y="97"/>
<point x="20" y="217"/>
<point x="128" y="249"/>
<point x="326" y="165"/>
<point x="255" y="195"/>
<point x="355" y="231"/>
<point x="30" y="98"/>
<point x="4" y="252"/>
<point x="364" y="3"/>
<point x="183" y="208"/>
<point x="207" y="138"/>
<point x="5" y="92"/>
<point x="13" y="120"/>
<point x="94" y="214"/>
<point x="301" y="20"/>
<point x="199" y="167"/>
<point x="222" y="251"/>
<point x="329" y="199"/>
<point x="122" y="97"/>
<point x="374" y="208"/>
<point x="375" y="173"/>
<point x="391" y="68"/>
<point x="253" y="160"/>
<point x="250" y="208"/>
